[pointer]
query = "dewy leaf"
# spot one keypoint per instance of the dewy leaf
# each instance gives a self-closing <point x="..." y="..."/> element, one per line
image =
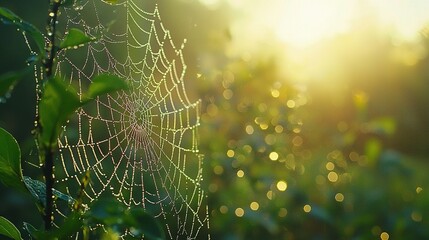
<point x="112" y="2"/>
<point x="34" y="232"/>
<point x="141" y="223"/>
<point x="57" y="103"/>
<point x="120" y="218"/>
<point x="8" y="229"/>
<point x="10" y="161"/>
<point x="71" y="225"/>
<point x="9" y="17"/>
<point x="105" y="83"/>
<point x="75" y="38"/>
<point x="66" y="3"/>
<point x="38" y="191"/>
<point x="10" y="79"/>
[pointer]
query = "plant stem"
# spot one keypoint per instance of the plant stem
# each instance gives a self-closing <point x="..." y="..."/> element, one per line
<point x="48" y="154"/>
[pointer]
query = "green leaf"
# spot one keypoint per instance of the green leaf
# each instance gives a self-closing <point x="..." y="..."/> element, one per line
<point x="8" y="229"/>
<point x="10" y="161"/>
<point x="384" y="126"/>
<point x="111" y="2"/>
<point x="34" y="232"/>
<point x="140" y="223"/>
<point x="38" y="190"/>
<point x="71" y="225"/>
<point x="373" y="148"/>
<point x="66" y="3"/>
<point x="118" y="217"/>
<point x="9" y="80"/>
<point x="9" y="17"/>
<point x="105" y="83"/>
<point x="75" y="38"/>
<point x="58" y="102"/>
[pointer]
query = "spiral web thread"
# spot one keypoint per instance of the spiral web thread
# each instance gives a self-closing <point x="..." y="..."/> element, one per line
<point x="140" y="145"/>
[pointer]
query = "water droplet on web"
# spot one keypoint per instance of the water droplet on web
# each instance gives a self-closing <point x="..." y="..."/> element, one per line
<point x="78" y="7"/>
<point x="33" y="58"/>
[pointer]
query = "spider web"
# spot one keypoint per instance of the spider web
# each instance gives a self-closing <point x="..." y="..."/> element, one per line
<point x="140" y="145"/>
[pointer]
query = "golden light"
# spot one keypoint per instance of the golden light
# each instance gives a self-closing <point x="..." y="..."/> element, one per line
<point x="239" y="212"/>
<point x="270" y="195"/>
<point x="307" y="208"/>
<point x="282" y="212"/>
<point x="299" y="28"/>
<point x="249" y="129"/>
<point x="339" y="197"/>
<point x="254" y="206"/>
<point x="281" y="186"/>
<point x="419" y="189"/>
<point x="227" y="94"/>
<point x="240" y="173"/>
<point x="384" y="236"/>
<point x="223" y="209"/>
<point x="301" y="23"/>
<point x="275" y="93"/>
<point x="279" y="129"/>
<point x="304" y="22"/>
<point x="330" y="166"/>
<point x="230" y="153"/>
<point x="333" y="176"/>
<point x="274" y="156"/>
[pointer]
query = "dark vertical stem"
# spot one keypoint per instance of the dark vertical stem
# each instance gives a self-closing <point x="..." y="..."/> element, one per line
<point x="51" y="30"/>
<point x="48" y="151"/>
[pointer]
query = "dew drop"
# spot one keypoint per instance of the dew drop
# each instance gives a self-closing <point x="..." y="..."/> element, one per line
<point x="78" y="7"/>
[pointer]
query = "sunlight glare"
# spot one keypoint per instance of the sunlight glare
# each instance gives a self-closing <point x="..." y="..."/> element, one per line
<point x="304" y="22"/>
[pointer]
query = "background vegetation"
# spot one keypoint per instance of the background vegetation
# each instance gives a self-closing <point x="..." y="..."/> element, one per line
<point x="326" y="141"/>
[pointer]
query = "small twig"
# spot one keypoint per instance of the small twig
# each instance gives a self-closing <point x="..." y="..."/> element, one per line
<point x="48" y="151"/>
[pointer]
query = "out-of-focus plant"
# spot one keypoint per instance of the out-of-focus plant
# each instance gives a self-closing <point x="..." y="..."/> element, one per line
<point x="268" y="182"/>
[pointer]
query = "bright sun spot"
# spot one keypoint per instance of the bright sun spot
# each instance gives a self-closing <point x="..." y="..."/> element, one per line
<point x="300" y="23"/>
<point x="303" y="22"/>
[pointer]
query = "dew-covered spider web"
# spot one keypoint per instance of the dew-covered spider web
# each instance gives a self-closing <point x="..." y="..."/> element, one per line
<point x="139" y="145"/>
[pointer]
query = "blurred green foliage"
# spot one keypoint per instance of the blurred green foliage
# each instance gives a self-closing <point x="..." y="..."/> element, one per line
<point x="293" y="160"/>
